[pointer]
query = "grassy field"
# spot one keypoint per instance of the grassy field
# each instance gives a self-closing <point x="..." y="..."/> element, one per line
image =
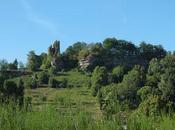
<point x="65" y="100"/>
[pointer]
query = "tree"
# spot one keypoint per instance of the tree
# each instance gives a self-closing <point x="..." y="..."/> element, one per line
<point x="154" y="73"/>
<point x="43" y="58"/>
<point x="99" y="78"/>
<point x="34" y="61"/>
<point x="149" y="51"/>
<point x="126" y="91"/>
<point x="167" y="62"/>
<point x="167" y="87"/>
<point x="97" y="52"/>
<point x="3" y="65"/>
<point x="159" y="93"/>
<point x="119" y="48"/>
<point x="73" y="51"/>
<point x="14" y="65"/>
<point x="118" y="73"/>
<point x="110" y="43"/>
<point x="71" y="55"/>
<point x="83" y="54"/>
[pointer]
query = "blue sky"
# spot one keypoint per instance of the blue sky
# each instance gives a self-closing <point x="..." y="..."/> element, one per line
<point x="34" y="24"/>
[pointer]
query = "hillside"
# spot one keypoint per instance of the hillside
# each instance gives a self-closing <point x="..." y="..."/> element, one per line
<point x="109" y="85"/>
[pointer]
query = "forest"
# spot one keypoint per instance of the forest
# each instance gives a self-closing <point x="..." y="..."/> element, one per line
<point x="109" y="85"/>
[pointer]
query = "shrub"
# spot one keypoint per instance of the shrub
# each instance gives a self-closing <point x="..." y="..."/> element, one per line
<point x="99" y="78"/>
<point x="13" y="91"/>
<point x="118" y="74"/>
<point x="2" y="79"/>
<point x="31" y="83"/>
<point x="53" y="83"/>
<point x="20" y="92"/>
<point x="64" y="83"/>
<point x="52" y="71"/>
<point x="43" y="78"/>
<point x="10" y="88"/>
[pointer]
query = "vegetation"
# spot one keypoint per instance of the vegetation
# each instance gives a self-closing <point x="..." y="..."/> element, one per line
<point x="110" y="85"/>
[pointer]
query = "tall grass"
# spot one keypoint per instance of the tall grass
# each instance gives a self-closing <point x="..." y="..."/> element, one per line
<point x="49" y="118"/>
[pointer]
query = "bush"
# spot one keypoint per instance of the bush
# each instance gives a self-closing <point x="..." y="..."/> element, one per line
<point x="63" y="84"/>
<point x="2" y="79"/>
<point x="52" y="71"/>
<point x="53" y="83"/>
<point x="31" y="83"/>
<point x="10" y="88"/>
<point x="20" y="91"/>
<point x="43" y="78"/>
<point x="13" y="91"/>
<point x="99" y="78"/>
<point x="118" y="74"/>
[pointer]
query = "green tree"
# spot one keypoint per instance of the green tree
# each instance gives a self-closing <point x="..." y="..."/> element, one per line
<point x="99" y="78"/>
<point x="73" y="51"/>
<point x="154" y="73"/>
<point x="118" y="73"/>
<point x="167" y="88"/>
<point x="126" y="91"/>
<point x="3" y="65"/>
<point x="149" y="51"/>
<point x="71" y="55"/>
<point x="34" y="61"/>
<point x="110" y="43"/>
<point x="14" y="65"/>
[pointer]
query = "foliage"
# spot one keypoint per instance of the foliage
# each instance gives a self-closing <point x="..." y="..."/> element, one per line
<point x="53" y="83"/>
<point x="99" y="78"/>
<point x="142" y="81"/>
<point x="43" y="78"/>
<point x="14" y="65"/>
<point x="3" y="65"/>
<point x="118" y="73"/>
<point x="34" y="61"/>
<point x="31" y="82"/>
<point x="52" y="71"/>
<point x="149" y="51"/>
<point x="13" y="92"/>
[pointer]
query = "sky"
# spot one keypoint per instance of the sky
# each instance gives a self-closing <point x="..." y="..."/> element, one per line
<point x="35" y="24"/>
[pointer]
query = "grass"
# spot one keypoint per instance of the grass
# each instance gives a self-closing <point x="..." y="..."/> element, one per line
<point x="72" y="109"/>
<point x="51" y="119"/>
<point x="65" y="98"/>
<point x="74" y="78"/>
